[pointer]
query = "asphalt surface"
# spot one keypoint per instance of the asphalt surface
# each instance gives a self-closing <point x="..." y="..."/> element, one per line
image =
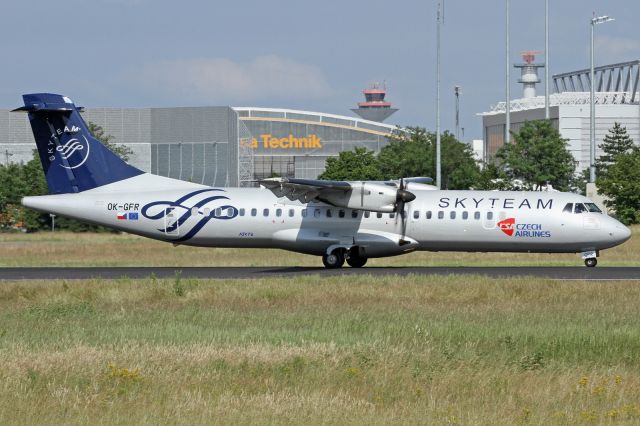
<point x="561" y="273"/>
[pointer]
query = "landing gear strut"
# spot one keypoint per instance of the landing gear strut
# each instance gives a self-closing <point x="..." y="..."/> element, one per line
<point x="333" y="260"/>
<point x="589" y="258"/>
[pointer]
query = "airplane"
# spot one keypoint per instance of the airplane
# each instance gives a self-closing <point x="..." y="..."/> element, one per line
<point x="338" y="220"/>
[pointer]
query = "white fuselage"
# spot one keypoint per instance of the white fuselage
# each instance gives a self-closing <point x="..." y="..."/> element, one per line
<point x="191" y="214"/>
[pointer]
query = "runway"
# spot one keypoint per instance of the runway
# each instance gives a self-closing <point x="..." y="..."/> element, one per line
<point x="560" y="273"/>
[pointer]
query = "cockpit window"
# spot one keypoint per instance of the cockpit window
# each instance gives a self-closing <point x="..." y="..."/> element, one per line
<point x="580" y="208"/>
<point x="568" y="208"/>
<point x="592" y="208"/>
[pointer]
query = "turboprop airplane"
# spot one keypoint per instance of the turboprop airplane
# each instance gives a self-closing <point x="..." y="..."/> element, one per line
<point x="340" y="221"/>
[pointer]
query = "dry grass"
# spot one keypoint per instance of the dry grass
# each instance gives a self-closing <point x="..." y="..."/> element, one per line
<point x="67" y="249"/>
<point x="317" y="350"/>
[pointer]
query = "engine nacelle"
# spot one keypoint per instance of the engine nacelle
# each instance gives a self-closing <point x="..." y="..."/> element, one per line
<point x="372" y="196"/>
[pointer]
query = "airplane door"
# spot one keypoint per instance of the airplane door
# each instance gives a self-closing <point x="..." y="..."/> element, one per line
<point x="171" y="225"/>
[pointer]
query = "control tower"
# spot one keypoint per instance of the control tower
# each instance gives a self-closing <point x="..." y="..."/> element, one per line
<point x="375" y="108"/>
<point x="529" y="74"/>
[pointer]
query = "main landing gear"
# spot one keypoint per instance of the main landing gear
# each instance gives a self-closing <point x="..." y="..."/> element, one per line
<point x="338" y="256"/>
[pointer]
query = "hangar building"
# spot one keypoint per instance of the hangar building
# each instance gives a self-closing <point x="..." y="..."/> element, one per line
<point x="218" y="146"/>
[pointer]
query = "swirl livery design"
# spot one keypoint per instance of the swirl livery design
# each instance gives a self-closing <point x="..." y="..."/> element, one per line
<point x="184" y="207"/>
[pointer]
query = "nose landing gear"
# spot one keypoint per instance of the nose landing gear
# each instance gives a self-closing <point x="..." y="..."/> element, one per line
<point x="590" y="258"/>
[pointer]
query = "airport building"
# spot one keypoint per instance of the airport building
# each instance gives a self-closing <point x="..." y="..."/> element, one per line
<point x="218" y="146"/>
<point x="616" y="97"/>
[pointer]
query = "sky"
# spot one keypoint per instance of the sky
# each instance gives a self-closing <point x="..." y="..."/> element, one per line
<point x="315" y="56"/>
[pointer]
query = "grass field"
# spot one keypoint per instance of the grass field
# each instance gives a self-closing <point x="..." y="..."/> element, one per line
<point x="313" y="350"/>
<point x="67" y="249"/>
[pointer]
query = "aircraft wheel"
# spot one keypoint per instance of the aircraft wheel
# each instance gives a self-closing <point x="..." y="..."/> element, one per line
<point x="356" y="261"/>
<point x="591" y="262"/>
<point x="333" y="260"/>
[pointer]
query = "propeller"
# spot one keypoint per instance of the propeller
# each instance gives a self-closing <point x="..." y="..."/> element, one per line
<point x="403" y="196"/>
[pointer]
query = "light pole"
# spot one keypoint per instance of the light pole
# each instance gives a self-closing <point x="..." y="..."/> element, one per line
<point x="507" y="126"/>
<point x="457" y="90"/>
<point x="595" y="20"/>
<point x="438" y="166"/>
<point x="546" y="59"/>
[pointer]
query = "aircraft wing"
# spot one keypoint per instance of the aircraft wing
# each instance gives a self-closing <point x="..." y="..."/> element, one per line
<point x="304" y="190"/>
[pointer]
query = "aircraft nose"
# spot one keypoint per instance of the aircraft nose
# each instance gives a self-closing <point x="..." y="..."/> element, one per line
<point x="619" y="233"/>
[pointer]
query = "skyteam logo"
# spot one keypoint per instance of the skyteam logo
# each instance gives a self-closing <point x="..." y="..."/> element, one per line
<point x="74" y="152"/>
<point x="191" y="212"/>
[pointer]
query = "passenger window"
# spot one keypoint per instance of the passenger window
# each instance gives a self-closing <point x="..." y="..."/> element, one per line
<point x="476" y="215"/>
<point x="316" y="213"/>
<point x="593" y="208"/>
<point x="254" y="212"/>
<point x="416" y="214"/>
<point x="489" y="215"/>
<point x="429" y="214"/>
<point x="304" y="213"/>
<point x="465" y="215"/>
<point x="452" y="215"/>
<point x="354" y="214"/>
<point x="379" y="215"/>
<point x="265" y="212"/>
<point x="392" y="215"/>
<point x="194" y="211"/>
<point x="328" y="212"/>
<point x="340" y="213"/>
<point x="440" y="215"/>
<point x="291" y="212"/>
<point x="207" y="211"/>
<point x="367" y="214"/>
<point x="568" y="208"/>
<point x="241" y="212"/>
<point x="278" y="212"/>
<point x="218" y="212"/>
<point x="580" y="208"/>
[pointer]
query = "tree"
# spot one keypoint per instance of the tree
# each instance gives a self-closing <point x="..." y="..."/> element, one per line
<point x="412" y="153"/>
<point x="621" y="186"/>
<point x="616" y="142"/>
<point x="538" y="155"/>
<point x="359" y="164"/>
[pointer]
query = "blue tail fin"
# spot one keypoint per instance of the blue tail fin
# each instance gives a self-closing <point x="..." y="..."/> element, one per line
<point x="73" y="160"/>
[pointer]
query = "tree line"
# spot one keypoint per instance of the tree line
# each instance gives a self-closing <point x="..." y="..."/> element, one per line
<point x="537" y="158"/>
